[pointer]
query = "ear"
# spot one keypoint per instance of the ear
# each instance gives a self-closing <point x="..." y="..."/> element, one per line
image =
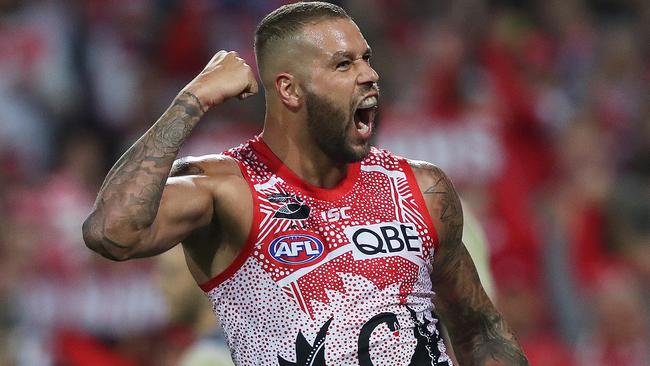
<point x="288" y="90"/>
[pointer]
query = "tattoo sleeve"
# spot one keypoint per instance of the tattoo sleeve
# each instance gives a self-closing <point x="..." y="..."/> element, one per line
<point x="478" y="333"/>
<point x="131" y="193"/>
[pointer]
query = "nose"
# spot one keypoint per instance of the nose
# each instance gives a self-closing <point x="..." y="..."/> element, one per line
<point x="367" y="74"/>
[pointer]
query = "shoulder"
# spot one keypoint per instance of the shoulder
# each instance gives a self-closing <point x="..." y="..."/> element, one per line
<point x="427" y="174"/>
<point x="441" y="198"/>
<point x="424" y="171"/>
<point x="433" y="180"/>
<point x="218" y="174"/>
<point x="206" y="165"/>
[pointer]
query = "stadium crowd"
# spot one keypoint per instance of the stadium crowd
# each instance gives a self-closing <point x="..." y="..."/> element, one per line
<point x="539" y="111"/>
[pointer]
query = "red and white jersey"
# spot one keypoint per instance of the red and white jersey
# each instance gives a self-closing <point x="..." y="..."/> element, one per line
<point x="334" y="276"/>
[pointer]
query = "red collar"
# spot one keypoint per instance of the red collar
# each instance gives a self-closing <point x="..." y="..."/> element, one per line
<point x="278" y="168"/>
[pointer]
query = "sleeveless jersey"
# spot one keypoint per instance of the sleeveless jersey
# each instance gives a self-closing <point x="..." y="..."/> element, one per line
<point x="334" y="276"/>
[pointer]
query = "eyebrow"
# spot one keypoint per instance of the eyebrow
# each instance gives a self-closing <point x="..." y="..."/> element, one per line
<point x="348" y="54"/>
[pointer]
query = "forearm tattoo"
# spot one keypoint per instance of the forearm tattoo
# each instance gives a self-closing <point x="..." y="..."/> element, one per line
<point x="479" y="334"/>
<point x="133" y="188"/>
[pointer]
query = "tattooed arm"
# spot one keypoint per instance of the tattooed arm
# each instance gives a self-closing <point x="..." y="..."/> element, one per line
<point x="139" y="211"/>
<point x="479" y="335"/>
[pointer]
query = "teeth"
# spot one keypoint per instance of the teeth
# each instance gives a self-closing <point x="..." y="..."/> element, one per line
<point x="368" y="103"/>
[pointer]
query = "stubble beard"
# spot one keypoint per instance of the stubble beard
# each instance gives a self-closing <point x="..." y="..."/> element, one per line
<point x="329" y="125"/>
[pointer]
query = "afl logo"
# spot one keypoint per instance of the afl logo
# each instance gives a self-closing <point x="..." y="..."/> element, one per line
<point x="296" y="249"/>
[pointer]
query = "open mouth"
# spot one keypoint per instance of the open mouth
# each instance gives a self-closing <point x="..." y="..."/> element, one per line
<point x="364" y="116"/>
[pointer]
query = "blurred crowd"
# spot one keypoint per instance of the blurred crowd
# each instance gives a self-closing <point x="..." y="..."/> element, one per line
<point x="538" y="110"/>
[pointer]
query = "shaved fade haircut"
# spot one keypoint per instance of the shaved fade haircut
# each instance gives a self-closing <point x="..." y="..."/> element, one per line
<point x="288" y="20"/>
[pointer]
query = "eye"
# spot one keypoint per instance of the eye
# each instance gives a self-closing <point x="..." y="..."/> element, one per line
<point x="343" y="65"/>
<point x="366" y="57"/>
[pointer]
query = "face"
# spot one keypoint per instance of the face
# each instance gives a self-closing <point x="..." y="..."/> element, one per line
<point x="341" y="92"/>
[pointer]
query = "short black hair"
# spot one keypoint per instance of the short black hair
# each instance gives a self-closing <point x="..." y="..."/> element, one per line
<point x="289" y="19"/>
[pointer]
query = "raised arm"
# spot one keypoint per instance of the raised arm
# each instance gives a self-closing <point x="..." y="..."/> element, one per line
<point x="479" y="335"/>
<point x="139" y="211"/>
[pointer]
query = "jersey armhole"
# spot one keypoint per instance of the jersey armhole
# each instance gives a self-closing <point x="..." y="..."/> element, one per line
<point x="419" y="199"/>
<point x="249" y="246"/>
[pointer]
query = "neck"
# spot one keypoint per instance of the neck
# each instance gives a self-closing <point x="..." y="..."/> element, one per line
<point x="299" y="153"/>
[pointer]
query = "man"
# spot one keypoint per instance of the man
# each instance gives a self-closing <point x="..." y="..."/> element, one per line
<point x="314" y="248"/>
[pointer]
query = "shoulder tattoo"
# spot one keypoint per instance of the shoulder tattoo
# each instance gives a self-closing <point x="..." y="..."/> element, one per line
<point x="450" y="210"/>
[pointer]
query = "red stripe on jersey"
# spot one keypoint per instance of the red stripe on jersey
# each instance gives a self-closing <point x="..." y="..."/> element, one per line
<point x="417" y="192"/>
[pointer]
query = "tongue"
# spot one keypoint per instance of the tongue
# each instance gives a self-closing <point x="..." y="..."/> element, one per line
<point x="362" y="127"/>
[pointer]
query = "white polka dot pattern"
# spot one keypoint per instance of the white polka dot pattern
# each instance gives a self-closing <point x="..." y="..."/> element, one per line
<point x="358" y="255"/>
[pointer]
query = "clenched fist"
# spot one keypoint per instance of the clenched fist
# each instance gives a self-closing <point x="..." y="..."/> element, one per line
<point x="226" y="75"/>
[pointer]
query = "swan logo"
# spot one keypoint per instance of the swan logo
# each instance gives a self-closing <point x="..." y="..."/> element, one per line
<point x="293" y="207"/>
<point x="296" y="249"/>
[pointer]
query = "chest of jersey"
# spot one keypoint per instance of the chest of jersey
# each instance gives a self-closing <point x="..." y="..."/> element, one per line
<point x="307" y="238"/>
<point x="339" y="275"/>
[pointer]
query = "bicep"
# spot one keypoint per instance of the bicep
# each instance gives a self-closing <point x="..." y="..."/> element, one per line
<point x="460" y="295"/>
<point x="480" y="335"/>
<point x="454" y="274"/>
<point x="455" y="279"/>
<point x="185" y="206"/>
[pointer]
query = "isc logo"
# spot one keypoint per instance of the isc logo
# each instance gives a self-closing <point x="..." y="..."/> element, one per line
<point x="296" y="248"/>
<point x="335" y="214"/>
<point x="385" y="239"/>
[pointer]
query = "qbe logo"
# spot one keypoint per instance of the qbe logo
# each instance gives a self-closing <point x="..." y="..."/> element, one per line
<point x="384" y="239"/>
<point x="296" y="248"/>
